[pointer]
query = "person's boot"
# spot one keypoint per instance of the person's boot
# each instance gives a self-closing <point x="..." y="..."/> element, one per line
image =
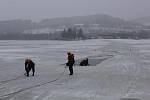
<point x="27" y="75"/>
<point x="71" y="74"/>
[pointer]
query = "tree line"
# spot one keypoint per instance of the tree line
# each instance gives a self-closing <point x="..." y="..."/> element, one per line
<point x="67" y="34"/>
<point x="72" y="34"/>
<point x="76" y="34"/>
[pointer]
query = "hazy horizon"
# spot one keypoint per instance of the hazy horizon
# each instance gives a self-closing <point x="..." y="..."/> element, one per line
<point x="41" y="9"/>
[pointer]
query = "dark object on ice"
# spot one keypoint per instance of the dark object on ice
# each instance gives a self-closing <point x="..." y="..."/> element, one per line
<point x="130" y="99"/>
<point x="29" y="64"/>
<point x="84" y="62"/>
<point x="70" y="62"/>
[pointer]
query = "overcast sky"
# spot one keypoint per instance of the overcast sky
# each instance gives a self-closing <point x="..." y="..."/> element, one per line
<point x="39" y="9"/>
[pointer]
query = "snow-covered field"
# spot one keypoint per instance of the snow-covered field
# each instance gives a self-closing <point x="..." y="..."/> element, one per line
<point x="119" y="70"/>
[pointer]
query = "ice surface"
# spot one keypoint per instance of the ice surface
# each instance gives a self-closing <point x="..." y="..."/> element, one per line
<point x="119" y="70"/>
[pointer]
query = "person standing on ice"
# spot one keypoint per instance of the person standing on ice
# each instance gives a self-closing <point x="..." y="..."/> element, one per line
<point x="29" y="64"/>
<point x="70" y="62"/>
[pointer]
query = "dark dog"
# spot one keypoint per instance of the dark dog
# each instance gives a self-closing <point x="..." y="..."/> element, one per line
<point x="84" y="62"/>
<point x="29" y="64"/>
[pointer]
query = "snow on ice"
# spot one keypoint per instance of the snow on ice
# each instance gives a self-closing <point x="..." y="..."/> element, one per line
<point x="118" y="70"/>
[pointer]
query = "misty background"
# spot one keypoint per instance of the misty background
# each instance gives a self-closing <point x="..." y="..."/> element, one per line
<point x="41" y="9"/>
<point x="74" y="19"/>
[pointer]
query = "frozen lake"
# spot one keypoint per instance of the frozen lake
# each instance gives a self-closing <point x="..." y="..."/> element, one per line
<point x="119" y="70"/>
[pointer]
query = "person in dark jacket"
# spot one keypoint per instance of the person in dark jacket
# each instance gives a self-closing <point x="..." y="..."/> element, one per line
<point x="70" y="62"/>
<point x="29" y="64"/>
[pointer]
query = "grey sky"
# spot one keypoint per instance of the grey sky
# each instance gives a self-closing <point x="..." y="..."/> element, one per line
<point x="39" y="9"/>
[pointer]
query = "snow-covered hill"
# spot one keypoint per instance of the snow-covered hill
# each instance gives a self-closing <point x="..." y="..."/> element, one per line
<point x="143" y="20"/>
